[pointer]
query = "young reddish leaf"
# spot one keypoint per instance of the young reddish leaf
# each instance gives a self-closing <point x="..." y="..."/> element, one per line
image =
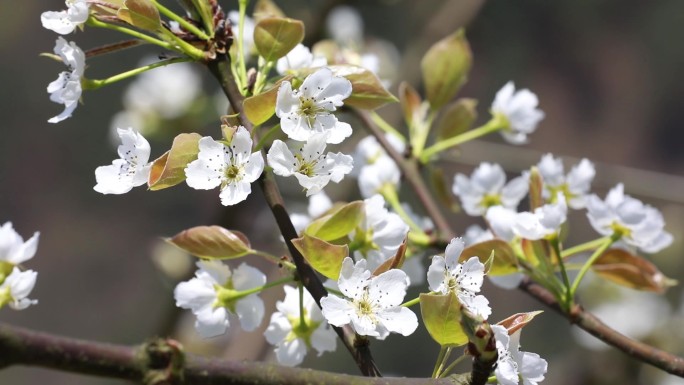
<point x="266" y="8"/>
<point x="140" y="14"/>
<point x="324" y="257"/>
<point x="368" y="93"/>
<point x="260" y="108"/>
<point x="442" y="318"/>
<point x="338" y="223"/>
<point x="212" y="242"/>
<point x="393" y="263"/>
<point x="274" y="37"/>
<point x="442" y="191"/>
<point x="445" y="68"/>
<point x="457" y="118"/>
<point x="169" y="169"/>
<point x="504" y="261"/>
<point x="536" y="187"/>
<point x="410" y="103"/>
<point x="623" y="268"/>
<point x="518" y="321"/>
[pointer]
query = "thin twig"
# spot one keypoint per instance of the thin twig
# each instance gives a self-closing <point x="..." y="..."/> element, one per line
<point x="589" y="323"/>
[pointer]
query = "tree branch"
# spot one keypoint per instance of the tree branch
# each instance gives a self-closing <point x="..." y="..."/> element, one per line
<point x="589" y="323"/>
<point x="358" y="347"/>
<point x="164" y="362"/>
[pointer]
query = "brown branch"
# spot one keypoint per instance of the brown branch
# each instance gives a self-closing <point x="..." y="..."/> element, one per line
<point x="592" y="325"/>
<point x="410" y="171"/>
<point x="164" y="362"/>
<point x="357" y="346"/>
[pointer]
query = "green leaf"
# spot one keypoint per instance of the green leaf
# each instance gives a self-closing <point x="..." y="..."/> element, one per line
<point x="504" y="261"/>
<point x="169" y="169"/>
<point x="518" y="321"/>
<point x="260" y="108"/>
<point x="266" y="8"/>
<point x="274" y="37"/>
<point x="457" y="118"/>
<point x="368" y="93"/>
<point x="445" y="68"/>
<point x="338" y="223"/>
<point x="626" y="269"/>
<point x="212" y="242"/>
<point x="141" y="14"/>
<point x="324" y="257"/>
<point x="442" y="317"/>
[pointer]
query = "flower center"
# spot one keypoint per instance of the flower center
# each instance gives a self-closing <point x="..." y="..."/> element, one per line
<point x="5" y="296"/>
<point x="303" y="330"/>
<point x="363" y="241"/>
<point x="364" y="308"/>
<point x="309" y="110"/>
<point x="620" y="230"/>
<point x="233" y="173"/>
<point x="490" y="200"/>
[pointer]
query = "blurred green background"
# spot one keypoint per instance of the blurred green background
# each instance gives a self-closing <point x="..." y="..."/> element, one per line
<point x="609" y="77"/>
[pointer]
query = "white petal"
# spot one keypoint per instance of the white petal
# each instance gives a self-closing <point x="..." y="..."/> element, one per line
<point x="436" y="274"/>
<point x="246" y="277"/>
<point x="281" y="159"/>
<point x="194" y="294"/>
<point x="278" y="329"/>
<point x="389" y="288"/>
<point x="453" y="252"/>
<point x="336" y="311"/>
<point x="113" y="179"/>
<point x="250" y="311"/>
<point x="472" y="275"/>
<point x="235" y="193"/>
<point x="291" y="353"/>
<point x="324" y="339"/>
<point x="206" y="172"/>
<point x="399" y="320"/>
<point x="353" y="278"/>
<point x="211" y="322"/>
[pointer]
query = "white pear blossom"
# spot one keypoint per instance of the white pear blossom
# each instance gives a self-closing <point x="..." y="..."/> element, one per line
<point x="513" y="364"/>
<point x="345" y="25"/>
<point x="373" y="304"/>
<point x="214" y="292"/>
<point x="544" y="222"/>
<point x="375" y="177"/>
<point x="575" y="186"/>
<point x="13" y="249"/>
<point x="312" y="167"/>
<point x="368" y="150"/>
<point x="132" y="169"/>
<point x="519" y="109"/>
<point x="446" y="275"/>
<point x="299" y="58"/>
<point x="65" y="22"/>
<point x="487" y="187"/>
<point x="501" y="220"/>
<point x="637" y="224"/>
<point x="232" y="167"/>
<point x="293" y="333"/>
<point x="380" y="233"/>
<point x="67" y="88"/>
<point x="309" y="109"/>
<point x="15" y="289"/>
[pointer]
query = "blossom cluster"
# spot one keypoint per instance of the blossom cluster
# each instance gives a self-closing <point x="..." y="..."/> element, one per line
<point x="16" y="283"/>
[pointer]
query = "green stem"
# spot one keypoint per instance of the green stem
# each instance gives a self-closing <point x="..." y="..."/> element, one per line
<point x="262" y="75"/>
<point x="92" y="84"/>
<point x="289" y="265"/>
<point x="420" y="134"/>
<point x="383" y="125"/>
<point x="302" y="318"/>
<point x="93" y="22"/>
<point x="494" y="124"/>
<point x="452" y="366"/>
<point x="411" y="302"/>
<point x="389" y="192"/>
<point x="600" y="250"/>
<point x="591" y="245"/>
<point x="265" y="138"/>
<point x="181" y="21"/>
<point x="555" y="243"/>
<point x="183" y="46"/>
<point x="242" y="67"/>
<point x="440" y="359"/>
<point x="259" y="289"/>
<point x="336" y="292"/>
<point x="444" y="360"/>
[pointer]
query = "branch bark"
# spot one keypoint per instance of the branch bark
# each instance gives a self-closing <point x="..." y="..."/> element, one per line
<point x="594" y="326"/>
<point x="358" y="347"/>
<point x="164" y="362"/>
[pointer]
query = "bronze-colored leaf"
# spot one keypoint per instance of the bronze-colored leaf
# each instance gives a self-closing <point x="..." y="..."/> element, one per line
<point x="274" y="37"/>
<point x="169" y="169"/>
<point x="212" y="242"/>
<point x="504" y="261"/>
<point x="260" y="108"/>
<point x="393" y="263"/>
<point x="626" y="269"/>
<point x="457" y="118"/>
<point x="518" y="321"/>
<point x="324" y="257"/>
<point x="445" y="68"/>
<point x="141" y="14"/>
